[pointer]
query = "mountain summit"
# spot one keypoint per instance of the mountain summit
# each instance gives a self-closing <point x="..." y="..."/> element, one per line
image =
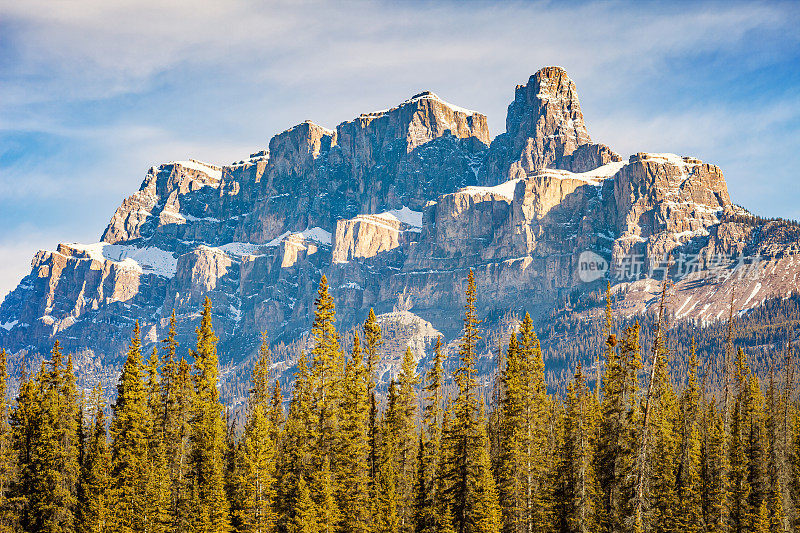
<point x="395" y="207"/>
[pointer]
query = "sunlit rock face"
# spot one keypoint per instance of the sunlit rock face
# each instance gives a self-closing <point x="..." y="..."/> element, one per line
<point x="394" y="207"/>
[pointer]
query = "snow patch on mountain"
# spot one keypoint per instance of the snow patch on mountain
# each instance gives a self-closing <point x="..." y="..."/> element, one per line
<point x="404" y="216"/>
<point x="505" y="190"/>
<point x="315" y="234"/>
<point x="212" y="171"/>
<point x="594" y="176"/>
<point x="147" y="260"/>
<point x="425" y="95"/>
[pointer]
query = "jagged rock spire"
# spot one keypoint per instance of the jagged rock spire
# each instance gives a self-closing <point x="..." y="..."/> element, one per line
<point x="544" y="121"/>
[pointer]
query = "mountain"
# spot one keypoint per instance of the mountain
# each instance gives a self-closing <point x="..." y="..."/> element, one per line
<point x="395" y="207"/>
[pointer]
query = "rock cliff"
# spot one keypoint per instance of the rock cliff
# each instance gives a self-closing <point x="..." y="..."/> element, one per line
<point x="394" y="207"/>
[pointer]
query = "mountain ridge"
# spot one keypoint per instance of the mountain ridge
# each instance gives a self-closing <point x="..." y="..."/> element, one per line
<point x="519" y="209"/>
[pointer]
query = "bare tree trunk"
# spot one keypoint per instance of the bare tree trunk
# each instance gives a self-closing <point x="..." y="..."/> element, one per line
<point x="649" y="405"/>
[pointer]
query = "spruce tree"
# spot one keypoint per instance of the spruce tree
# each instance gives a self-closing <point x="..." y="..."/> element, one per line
<point x="353" y="446"/>
<point x="326" y="374"/>
<point x="387" y="499"/>
<point x="689" y="511"/>
<point x="305" y="516"/>
<point x="209" y="505"/>
<point x="485" y="516"/>
<point x="715" y="496"/>
<point x="25" y="425"/>
<point x="53" y="468"/>
<point x="176" y="393"/>
<point x="180" y="429"/>
<point x="756" y="447"/>
<point x="255" y="483"/>
<point x="327" y="389"/>
<point x="742" y="516"/>
<point x="95" y="478"/>
<point x="158" y="484"/>
<point x="372" y="341"/>
<point x="327" y="508"/>
<point x="405" y="432"/>
<point x="538" y="454"/>
<point x="294" y="505"/>
<point x="470" y="487"/>
<point x="512" y="477"/>
<point x="578" y="491"/>
<point x="276" y="416"/>
<point x="775" y="458"/>
<point x="130" y="468"/>
<point x="427" y="503"/>
<point x="6" y="451"/>
<point x="620" y="433"/>
<point x="661" y="451"/>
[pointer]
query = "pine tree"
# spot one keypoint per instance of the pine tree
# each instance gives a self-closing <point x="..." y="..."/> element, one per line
<point x="208" y="503"/>
<point x="372" y="341"/>
<point x="387" y="499"/>
<point x="158" y="483"/>
<point x="94" y="483"/>
<point x="255" y="483"/>
<point x="25" y="426"/>
<point x="180" y="429"/>
<point x="715" y="497"/>
<point x="129" y="446"/>
<point x="427" y="503"/>
<point x="578" y="490"/>
<point x="6" y="453"/>
<point x="46" y="433"/>
<point x="620" y="430"/>
<point x="405" y="433"/>
<point x="295" y="455"/>
<point x="176" y="393"/>
<point x="305" y="518"/>
<point x="470" y="489"/>
<point x="661" y="451"/>
<point x="689" y="515"/>
<point x="326" y="374"/>
<point x="353" y="446"/>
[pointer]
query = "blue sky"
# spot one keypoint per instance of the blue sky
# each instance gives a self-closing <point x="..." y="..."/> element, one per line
<point x="92" y="93"/>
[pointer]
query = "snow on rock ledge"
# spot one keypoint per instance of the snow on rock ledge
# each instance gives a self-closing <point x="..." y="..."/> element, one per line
<point x="368" y="235"/>
<point x="147" y="260"/>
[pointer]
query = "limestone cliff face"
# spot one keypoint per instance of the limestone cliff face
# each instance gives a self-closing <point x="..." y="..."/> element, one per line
<point x="545" y="129"/>
<point x="395" y="207"/>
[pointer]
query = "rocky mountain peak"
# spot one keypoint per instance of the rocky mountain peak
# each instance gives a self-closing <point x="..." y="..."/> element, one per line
<point x="544" y="121"/>
<point x="416" y="121"/>
<point x="393" y="207"/>
<point x="545" y="129"/>
<point x="295" y="149"/>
